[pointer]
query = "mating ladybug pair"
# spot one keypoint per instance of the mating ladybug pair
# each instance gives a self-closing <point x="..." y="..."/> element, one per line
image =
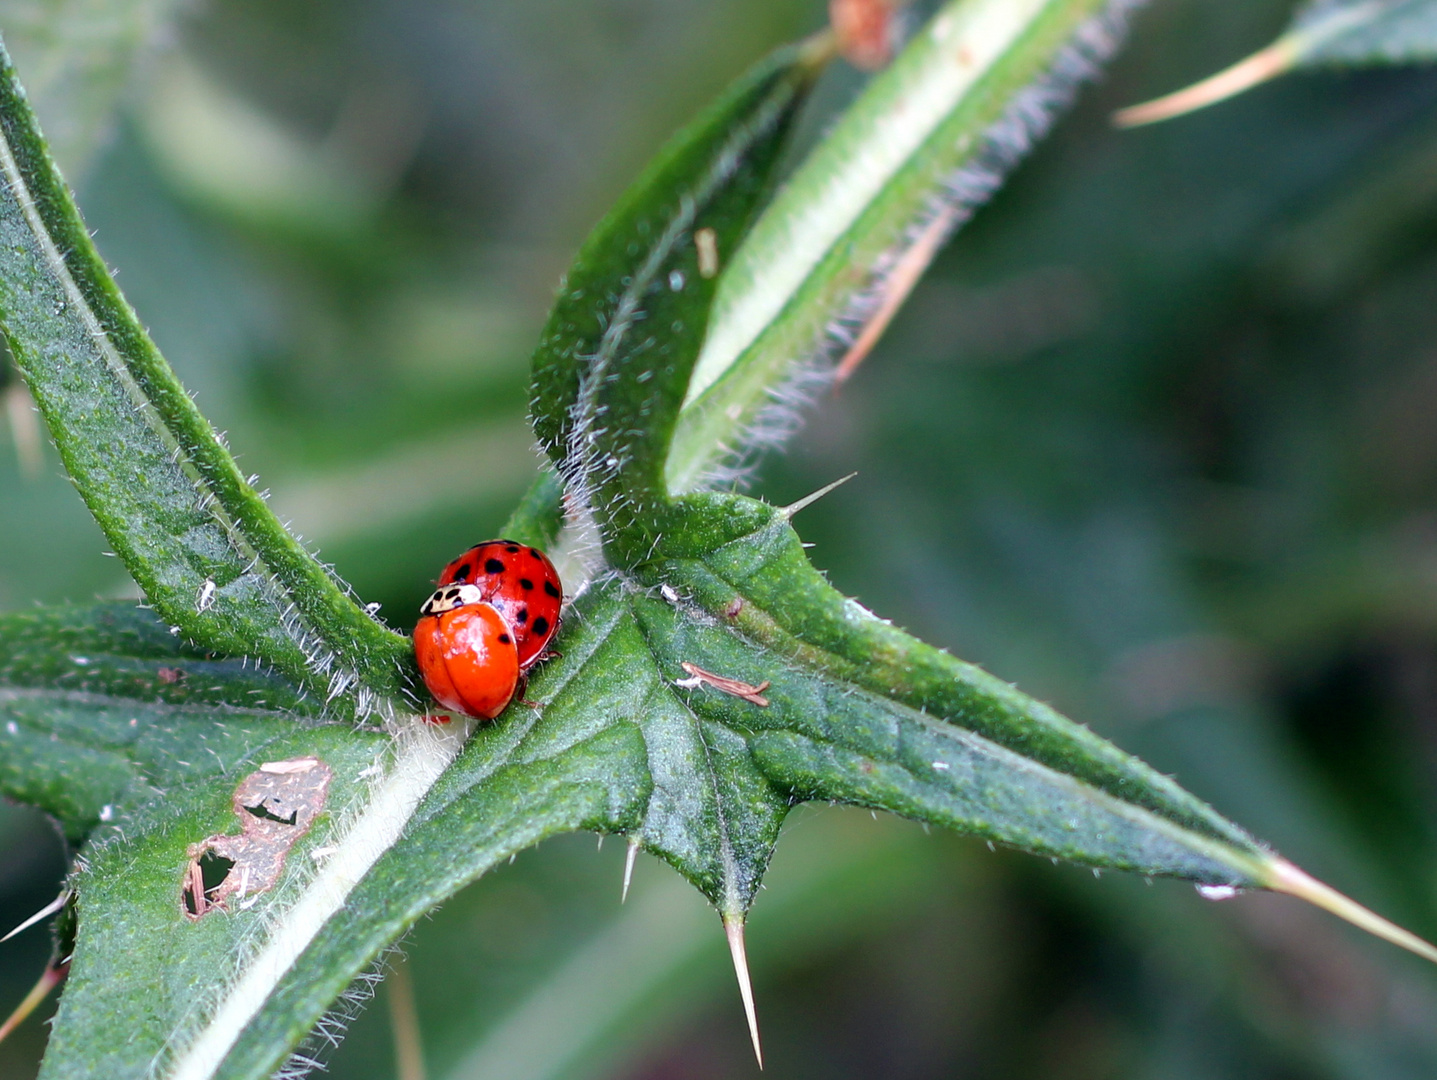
<point x="488" y="622"/>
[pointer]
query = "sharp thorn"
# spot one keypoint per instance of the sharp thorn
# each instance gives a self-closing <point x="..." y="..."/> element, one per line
<point x="1286" y="878"/>
<point x="52" y="977"/>
<point x="808" y="500"/>
<point x="733" y="930"/>
<point x="1252" y="71"/>
<point x="404" y="1024"/>
<point x="629" y="857"/>
<point x="44" y="913"/>
<point x="894" y="289"/>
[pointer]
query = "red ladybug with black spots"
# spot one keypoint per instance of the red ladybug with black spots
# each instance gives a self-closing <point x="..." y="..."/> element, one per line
<point x="489" y="621"/>
<point x="522" y="583"/>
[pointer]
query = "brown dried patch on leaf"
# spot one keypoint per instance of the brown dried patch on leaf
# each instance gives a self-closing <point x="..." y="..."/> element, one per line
<point x="276" y="805"/>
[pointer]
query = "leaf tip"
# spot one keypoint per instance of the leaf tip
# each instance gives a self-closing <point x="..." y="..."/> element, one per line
<point x="733" y="930"/>
<point x="1284" y="877"/>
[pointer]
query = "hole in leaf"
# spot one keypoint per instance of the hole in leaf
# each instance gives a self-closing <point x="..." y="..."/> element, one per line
<point x="275" y="806"/>
<point x="207" y="873"/>
<point x="264" y="813"/>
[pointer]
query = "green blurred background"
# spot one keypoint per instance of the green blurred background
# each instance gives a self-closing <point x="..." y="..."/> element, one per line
<point x="1154" y="440"/>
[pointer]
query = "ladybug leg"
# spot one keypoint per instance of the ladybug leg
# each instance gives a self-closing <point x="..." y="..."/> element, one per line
<point x="520" y="691"/>
<point x="551" y="653"/>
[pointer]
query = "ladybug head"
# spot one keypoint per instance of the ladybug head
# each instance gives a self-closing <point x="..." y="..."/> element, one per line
<point x="448" y="597"/>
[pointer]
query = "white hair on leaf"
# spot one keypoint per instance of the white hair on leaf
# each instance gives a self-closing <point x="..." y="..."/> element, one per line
<point x="994" y="153"/>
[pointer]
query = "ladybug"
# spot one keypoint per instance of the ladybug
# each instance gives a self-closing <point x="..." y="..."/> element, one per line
<point x="489" y="621"/>
<point x="521" y="583"/>
<point x="466" y="653"/>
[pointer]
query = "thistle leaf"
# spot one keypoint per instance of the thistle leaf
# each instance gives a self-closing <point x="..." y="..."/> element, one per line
<point x="211" y="557"/>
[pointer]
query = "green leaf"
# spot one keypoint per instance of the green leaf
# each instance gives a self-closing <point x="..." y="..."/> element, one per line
<point x="513" y="785"/>
<point x="860" y="712"/>
<point x="141" y="965"/>
<point x="709" y="681"/>
<point x="1346" y="33"/>
<point x="871" y="710"/>
<point x="833" y="257"/>
<point x="235" y="992"/>
<point x="101" y="709"/>
<point x="617" y="747"/>
<point x="640" y="291"/>
<point x="211" y="557"/>
<point x="796" y="691"/>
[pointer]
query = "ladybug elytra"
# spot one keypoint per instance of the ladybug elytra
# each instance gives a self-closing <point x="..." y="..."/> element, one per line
<point x="518" y="580"/>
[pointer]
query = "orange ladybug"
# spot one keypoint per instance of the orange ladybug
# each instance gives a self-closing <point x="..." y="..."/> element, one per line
<point x="468" y="657"/>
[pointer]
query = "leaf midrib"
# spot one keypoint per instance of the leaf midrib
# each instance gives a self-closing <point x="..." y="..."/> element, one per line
<point x="511" y="732"/>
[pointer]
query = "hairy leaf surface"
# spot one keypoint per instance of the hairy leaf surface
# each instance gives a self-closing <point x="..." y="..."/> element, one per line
<point x="211" y="557"/>
<point x="709" y="679"/>
<point x="104" y="710"/>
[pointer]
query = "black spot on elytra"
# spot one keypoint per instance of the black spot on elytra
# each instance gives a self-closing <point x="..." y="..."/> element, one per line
<point x="541" y="626"/>
<point x="512" y="549"/>
<point x="493" y="566"/>
<point x="551" y="589"/>
<point x="525" y="584"/>
<point x="462" y="572"/>
<point x="503" y="639"/>
<point x="521" y="616"/>
<point x="537" y="554"/>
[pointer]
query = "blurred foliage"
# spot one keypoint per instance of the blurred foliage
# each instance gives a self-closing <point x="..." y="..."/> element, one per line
<point x="1154" y="440"/>
<point x="1389" y="31"/>
<point x="82" y="60"/>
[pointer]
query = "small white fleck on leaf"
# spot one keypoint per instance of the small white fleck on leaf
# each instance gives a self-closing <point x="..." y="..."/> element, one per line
<point x="1217" y="892"/>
